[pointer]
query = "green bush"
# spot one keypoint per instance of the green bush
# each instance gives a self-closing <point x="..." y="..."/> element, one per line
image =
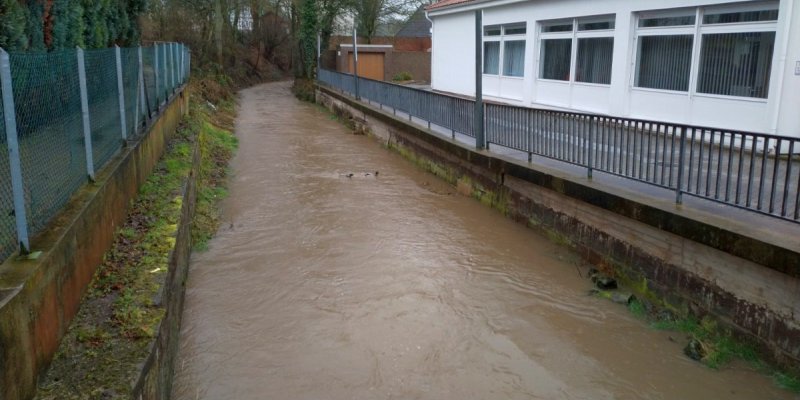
<point x="402" y="76"/>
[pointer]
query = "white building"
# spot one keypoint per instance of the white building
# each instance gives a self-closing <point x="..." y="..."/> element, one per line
<point x="732" y="65"/>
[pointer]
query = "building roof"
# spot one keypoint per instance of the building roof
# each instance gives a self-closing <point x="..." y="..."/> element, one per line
<point x="446" y="3"/>
<point x="416" y="25"/>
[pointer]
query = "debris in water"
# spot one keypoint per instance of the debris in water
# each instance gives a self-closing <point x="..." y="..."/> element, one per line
<point x="622" y="298"/>
<point x="695" y="350"/>
<point x="601" y="280"/>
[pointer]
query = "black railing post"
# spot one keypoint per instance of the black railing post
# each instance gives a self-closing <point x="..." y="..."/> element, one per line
<point x="681" y="160"/>
<point x="529" y="133"/>
<point x="480" y="140"/>
<point x="429" y="104"/>
<point x="453" y="116"/>
<point x="593" y="121"/>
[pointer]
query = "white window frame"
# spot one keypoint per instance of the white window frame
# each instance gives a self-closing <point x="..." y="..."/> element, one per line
<point x="698" y="30"/>
<point x="502" y="38"/>
<point x="574" y="35"/>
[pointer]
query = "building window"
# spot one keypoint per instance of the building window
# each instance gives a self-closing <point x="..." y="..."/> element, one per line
<point x="735" y="43"/>
<point x="514" y="58"/>
<point x="593" y="63"/>
<point x="491" y="58"/>
<point x="504" y="50"/>
<point x="664" y="62"/>
<point x="577" y="50"/>
<point x="556" y="55"/>
<point x="747" y="60"/>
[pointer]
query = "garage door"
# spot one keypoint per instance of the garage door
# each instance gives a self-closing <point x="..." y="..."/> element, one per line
<point x="370" y="65"/>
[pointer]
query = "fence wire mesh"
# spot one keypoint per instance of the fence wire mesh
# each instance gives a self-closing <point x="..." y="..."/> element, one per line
<point x="162" y="73"/>
<point x="8" y="233"/>
<point x="103" y="96"/>
<point x="149" y="69"/>
<point x="50" y="131"/>
<point x="130" y="89"/>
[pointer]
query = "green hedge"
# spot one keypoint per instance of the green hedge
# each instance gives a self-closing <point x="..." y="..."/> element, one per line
<point x="38" y="25"/>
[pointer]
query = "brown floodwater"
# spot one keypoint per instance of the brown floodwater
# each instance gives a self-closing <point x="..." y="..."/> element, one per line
<point x="324" y="286"/>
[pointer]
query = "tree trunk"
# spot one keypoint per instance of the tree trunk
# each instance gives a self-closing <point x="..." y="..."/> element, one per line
<point x="218" y="29"/>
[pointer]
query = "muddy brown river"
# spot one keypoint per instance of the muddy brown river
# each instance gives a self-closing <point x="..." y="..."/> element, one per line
<point x="324" y="286"/>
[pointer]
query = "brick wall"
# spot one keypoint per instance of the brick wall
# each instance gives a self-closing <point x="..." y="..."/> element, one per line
<point x="417" y="63"/>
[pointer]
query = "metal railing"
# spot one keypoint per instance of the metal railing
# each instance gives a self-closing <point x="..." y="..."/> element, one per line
<point x="752" y="171"/>
<point x="64" y="115"/>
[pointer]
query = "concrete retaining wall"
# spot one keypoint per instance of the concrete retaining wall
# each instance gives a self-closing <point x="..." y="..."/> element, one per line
<point x="38" y="298"/>
<point x="747" y="283"/>
<point x="155" y="378"/>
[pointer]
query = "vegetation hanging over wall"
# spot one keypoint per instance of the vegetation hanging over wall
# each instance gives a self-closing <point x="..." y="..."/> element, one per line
<point x="39" y="25"/>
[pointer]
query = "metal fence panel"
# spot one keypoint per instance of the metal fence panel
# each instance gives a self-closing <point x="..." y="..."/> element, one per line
<point x="130" y="88"/>
<point x="103" y="95"/>
<point x="149" y="69"/>
<point x="50" y="131"/>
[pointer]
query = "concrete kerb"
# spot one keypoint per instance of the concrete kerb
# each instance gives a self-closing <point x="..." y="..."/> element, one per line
<point x="39" y="298"/>
<point x="748" y="284"/>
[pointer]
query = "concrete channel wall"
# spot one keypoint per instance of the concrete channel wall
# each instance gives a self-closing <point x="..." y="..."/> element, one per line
<point x="747" y="283"/>
<point x="39" y="298"/>
<point x="156" y="374"/>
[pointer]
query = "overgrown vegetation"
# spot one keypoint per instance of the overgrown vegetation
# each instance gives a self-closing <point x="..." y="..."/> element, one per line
<point x="304" y="89"/>
<point x="402" y="76"/>
<point x="121" y="311"/>
<point x="712" y="344"/>
<point x="246" y="40"/>
<point x="217" y="145"/>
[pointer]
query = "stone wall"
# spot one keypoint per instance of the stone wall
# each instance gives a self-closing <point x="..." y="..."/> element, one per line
<point x="416" y="63"/>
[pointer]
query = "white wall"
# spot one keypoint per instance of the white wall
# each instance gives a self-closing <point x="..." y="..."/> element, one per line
<point x="454" y="53"/>
<point x="453" y="69"/>
<point x="788" y="113"/>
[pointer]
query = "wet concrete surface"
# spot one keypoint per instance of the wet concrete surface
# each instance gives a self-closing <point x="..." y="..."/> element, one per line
<point x="325" y="286"/>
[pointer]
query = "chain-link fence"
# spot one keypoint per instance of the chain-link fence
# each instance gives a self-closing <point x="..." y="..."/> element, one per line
<point x="8" y="237"/>
<point x="74" y="111"/>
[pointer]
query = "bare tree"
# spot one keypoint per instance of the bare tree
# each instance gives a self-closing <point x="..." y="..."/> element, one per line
<point x="370" y="14"/>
